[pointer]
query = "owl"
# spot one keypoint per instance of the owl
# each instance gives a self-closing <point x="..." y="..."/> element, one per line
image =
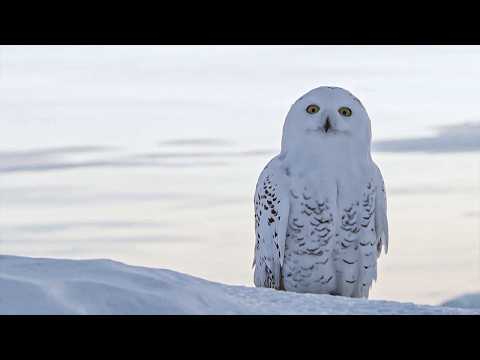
<point x="320" y="205"/>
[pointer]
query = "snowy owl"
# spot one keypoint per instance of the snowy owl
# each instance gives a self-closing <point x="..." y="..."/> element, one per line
<point x="320" y="205"/>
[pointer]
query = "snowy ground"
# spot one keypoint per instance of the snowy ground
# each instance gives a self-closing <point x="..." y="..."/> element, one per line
<point x="52" y="286"/>
<point x="465" y="301"/>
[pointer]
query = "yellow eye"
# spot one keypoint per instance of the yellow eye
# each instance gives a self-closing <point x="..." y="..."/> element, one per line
<point x="312" y="109"/>
<point x="345" y="111"/>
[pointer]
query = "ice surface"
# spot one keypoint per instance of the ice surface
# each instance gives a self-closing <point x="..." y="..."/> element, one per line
<point x="54" y="286"/>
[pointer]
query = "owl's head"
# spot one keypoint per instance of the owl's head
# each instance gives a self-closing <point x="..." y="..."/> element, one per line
<point x="327" y="115"/>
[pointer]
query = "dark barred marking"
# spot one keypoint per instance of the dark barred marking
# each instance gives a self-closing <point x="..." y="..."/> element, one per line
<point x="328" y="280"/>
<point x="294" y="229"/>
<point x="295" y="223"/>
<point x="307" y="268"/>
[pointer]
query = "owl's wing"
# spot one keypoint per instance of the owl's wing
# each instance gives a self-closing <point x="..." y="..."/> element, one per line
<point x="381" y="222"/>
<point x="271" y="219"/>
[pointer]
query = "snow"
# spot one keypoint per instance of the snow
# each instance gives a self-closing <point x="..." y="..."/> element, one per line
<point x="58" y="286"/>
<point x="467" y="301"/>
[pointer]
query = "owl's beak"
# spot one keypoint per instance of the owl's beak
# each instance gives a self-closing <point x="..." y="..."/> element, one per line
<point x="327" y="125"/>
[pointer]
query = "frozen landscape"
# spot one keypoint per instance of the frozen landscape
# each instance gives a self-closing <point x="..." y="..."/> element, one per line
<point x="54" y="286"/>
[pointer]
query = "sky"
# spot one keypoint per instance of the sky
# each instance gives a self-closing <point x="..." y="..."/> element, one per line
<point x="150" y="154"/>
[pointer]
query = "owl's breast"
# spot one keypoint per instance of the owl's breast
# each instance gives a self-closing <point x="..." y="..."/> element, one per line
<point x="310" y="239"/>
<point x="330" y="222"/>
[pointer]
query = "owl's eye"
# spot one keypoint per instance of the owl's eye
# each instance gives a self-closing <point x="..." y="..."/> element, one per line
<point x="345" y="111"/>
<point x="312" y="109"/>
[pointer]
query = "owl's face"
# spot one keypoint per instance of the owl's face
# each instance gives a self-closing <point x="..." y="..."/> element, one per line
<point x="326" y="115"/>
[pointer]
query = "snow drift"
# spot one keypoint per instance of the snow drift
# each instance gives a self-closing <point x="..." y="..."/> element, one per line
<point x="52" y="286"/>
<point x="468" y="301"/>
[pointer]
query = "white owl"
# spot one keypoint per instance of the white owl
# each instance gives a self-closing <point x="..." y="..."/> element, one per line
<point x="320" y="205"/>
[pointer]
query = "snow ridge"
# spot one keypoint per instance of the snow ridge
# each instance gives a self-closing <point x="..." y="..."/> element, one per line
<point x="57" y="286"/>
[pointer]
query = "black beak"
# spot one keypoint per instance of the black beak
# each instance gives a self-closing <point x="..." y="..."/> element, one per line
<point x="327" y="125"/>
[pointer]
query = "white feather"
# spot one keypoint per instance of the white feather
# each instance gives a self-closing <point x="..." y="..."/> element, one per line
<point x="271" y="214"/>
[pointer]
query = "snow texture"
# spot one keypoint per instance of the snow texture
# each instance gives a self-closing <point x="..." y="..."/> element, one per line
<point x="54" y="286"/>
<point x="467" y="301"/>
